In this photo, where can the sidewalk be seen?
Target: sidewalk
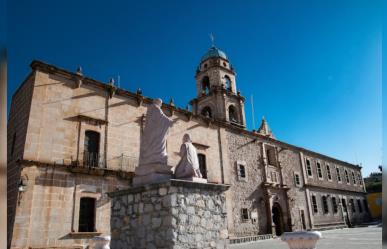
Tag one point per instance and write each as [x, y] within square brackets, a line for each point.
[348, 238]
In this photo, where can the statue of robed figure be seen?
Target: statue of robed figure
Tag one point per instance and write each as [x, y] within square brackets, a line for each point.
[153, 154]
[188, 167]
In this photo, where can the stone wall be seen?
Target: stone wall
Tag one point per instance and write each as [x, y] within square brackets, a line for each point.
[246, 193]
[322, 219]
[291, 165]
[324, 181]
[16, 137]
[56, 133]
[173, 214]
[47, 214]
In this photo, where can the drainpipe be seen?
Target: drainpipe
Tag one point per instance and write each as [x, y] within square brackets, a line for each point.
[221, 155]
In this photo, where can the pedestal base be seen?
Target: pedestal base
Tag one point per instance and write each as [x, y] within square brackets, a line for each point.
[194, 179]
[172, 215]
[151, 173]
[151, 178]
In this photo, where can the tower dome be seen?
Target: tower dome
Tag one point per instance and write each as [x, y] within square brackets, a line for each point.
[214, 52]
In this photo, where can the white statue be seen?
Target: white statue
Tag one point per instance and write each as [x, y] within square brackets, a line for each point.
[188, 167]
[153, 154]
[153, 141]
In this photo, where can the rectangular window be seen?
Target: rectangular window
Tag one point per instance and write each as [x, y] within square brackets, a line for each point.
[319, 171]
[274, 176]
[314, 204]
[365, 205]
[346, 176]
[308, 168]
[334, 205]
[87, 215]
[352, 204]
[353, 178]
[359, 206]
[91, 149]
[344, 203]
[329, 175]
[297, 180]
[338, 174]
[325, 204]
[202, 165]
[241, 171]
[271, 155]
[359, 179]
[245, 214]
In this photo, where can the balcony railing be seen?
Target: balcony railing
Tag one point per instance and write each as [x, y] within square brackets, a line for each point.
[119, 163]
[93, 160]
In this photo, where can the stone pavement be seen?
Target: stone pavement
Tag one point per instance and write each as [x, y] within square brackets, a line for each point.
[348, 238]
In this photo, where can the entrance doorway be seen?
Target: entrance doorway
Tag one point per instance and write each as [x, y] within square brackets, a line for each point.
[277, 219]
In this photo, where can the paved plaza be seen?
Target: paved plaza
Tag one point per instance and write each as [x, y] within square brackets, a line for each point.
[348, 238]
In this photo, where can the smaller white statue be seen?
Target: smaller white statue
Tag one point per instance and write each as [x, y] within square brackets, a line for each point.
[188, 167]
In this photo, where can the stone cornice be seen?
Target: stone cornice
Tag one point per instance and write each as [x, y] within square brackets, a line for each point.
[39, 65]
[199, 73]
[332, 188]
[169, 183]
[78, 169]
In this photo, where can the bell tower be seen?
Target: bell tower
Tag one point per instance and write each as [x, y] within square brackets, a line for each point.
[217, 95]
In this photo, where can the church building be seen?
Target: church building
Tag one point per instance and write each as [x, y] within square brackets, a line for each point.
[73, 139]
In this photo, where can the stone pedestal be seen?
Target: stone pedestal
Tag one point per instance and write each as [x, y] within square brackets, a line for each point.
[152, 173]
[171, 214]
[302, 239]
[100, 242]
[194, 179]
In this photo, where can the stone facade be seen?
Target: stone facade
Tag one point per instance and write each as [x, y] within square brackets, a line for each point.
[174, 214]
[54, 109]
[48, 211]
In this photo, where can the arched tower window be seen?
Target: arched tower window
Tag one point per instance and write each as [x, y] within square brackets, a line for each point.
[91, 148]
[227, 82]
[206, 84]
[232, 114]
[206, 112]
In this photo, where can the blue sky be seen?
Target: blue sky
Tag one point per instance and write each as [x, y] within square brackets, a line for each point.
[313, 67]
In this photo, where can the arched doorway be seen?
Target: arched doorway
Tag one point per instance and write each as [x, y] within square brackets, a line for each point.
[277, 219]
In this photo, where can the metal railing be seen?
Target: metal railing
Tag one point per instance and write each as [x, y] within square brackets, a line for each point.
[93, 160]
[119, 163]
[123, 163]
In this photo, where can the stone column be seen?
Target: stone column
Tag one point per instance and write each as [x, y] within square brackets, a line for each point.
[171, 214]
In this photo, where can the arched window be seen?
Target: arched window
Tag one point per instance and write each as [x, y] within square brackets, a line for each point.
[202, 165]
[206, 85]
[232, 114]
[227, 82]
[87, 215]
[206, 112]
[91, 149]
